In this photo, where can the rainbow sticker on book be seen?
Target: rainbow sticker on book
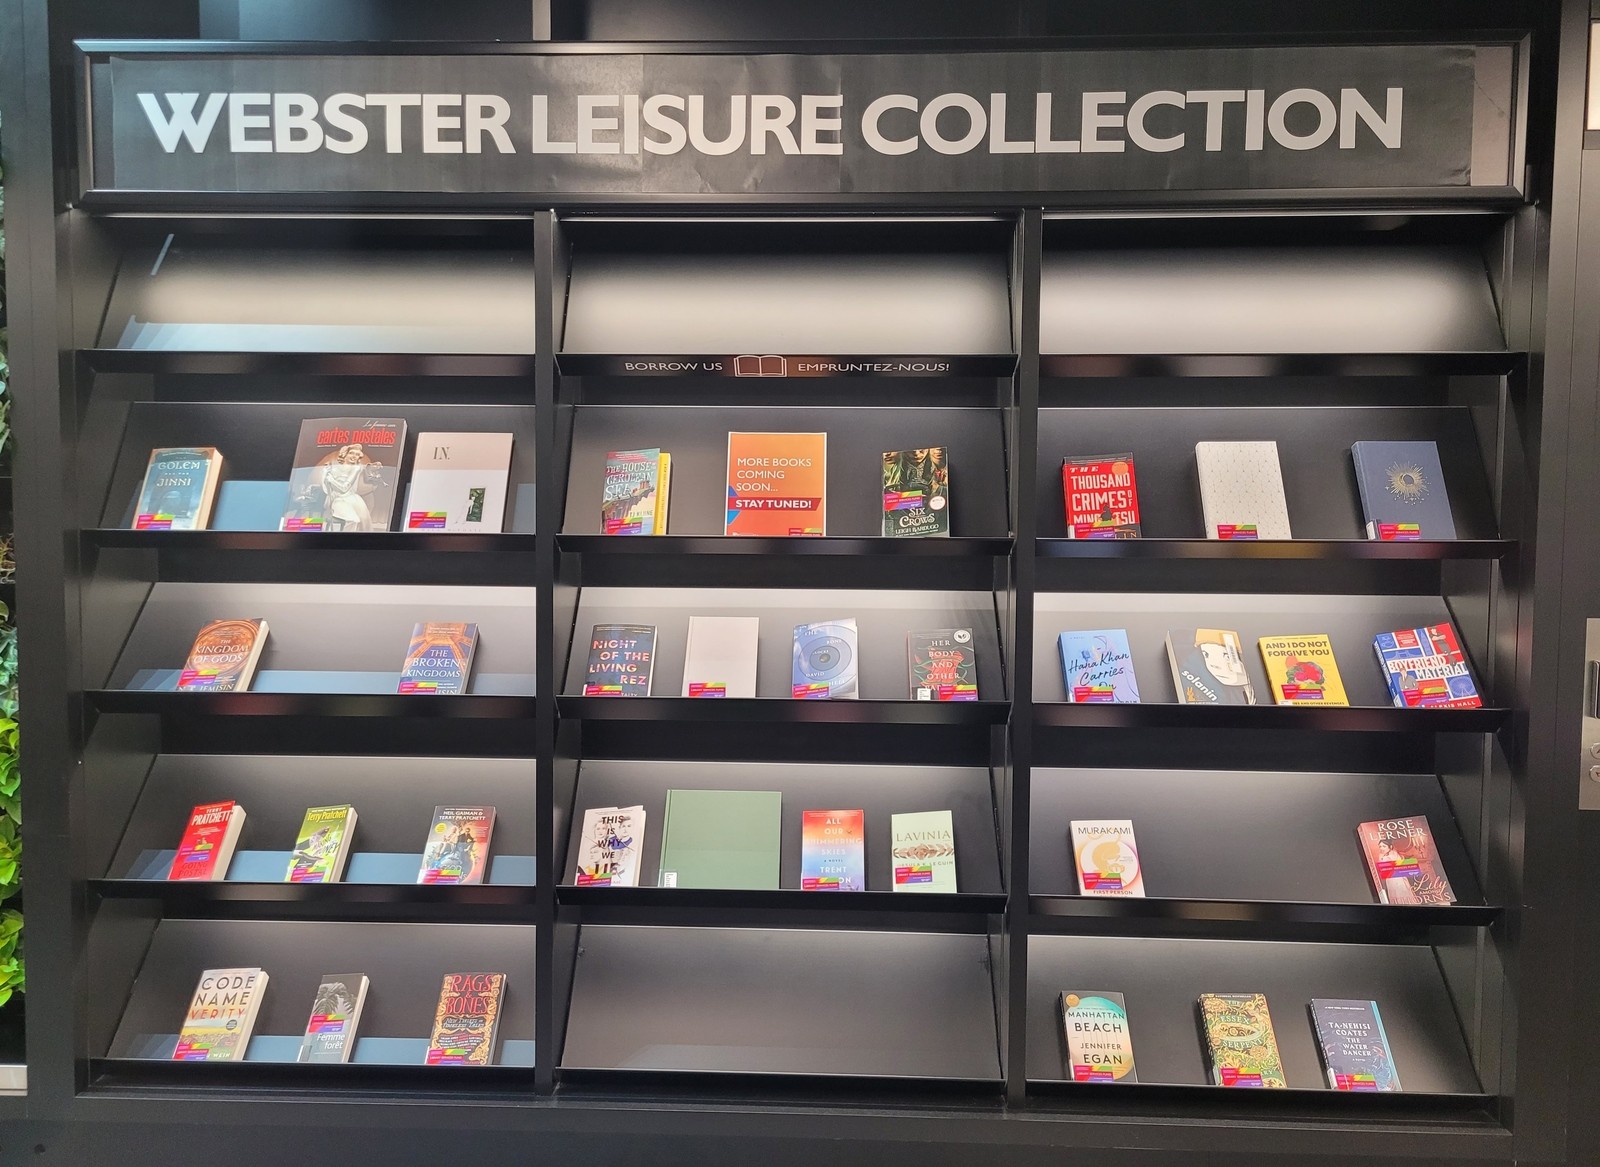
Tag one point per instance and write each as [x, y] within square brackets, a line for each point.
[426, 521]
[153, 523]
[1399, 532]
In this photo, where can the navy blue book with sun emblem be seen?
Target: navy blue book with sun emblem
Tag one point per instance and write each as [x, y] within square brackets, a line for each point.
[1402, 491]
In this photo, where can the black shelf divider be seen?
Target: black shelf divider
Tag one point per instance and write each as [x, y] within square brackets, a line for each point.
[785, 711]
[351, 1080]
[249, 704]
[668, 366]
[308, 364]
[1075, 913]
[868, 908]
[499, 543]
[1340, 719]
[1268, 549]
[825, 546]
[401, 903]
[1412, 364]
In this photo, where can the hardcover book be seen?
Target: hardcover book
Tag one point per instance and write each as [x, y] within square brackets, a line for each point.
[1403, 862]
[466, 1019]
[1241, 490]
[825, 661]
[1355, 1049]
[611, 841]
[1301, 670]
[459, 482]
[1402, 491]
[222, 1014]
[1425, 668]
[833, 850]
[1240, 1041]
[916, 492]
[323, 845]
[1208, 667]
[439, 659]
[1107, 858]
[1097, 667]
[622, 658]
[720, 657]
[346, 474]
[335, 1016]
[457, 849]
[943, 665]
[923, 846]
[634, 499]
[1102, 497]
[1099, 1044]
[180, 484]
[223, 657]
[777, 484]
[722, 839]
[206, 848]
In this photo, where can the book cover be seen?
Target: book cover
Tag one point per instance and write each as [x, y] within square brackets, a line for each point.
[335, 1016]
[1099, 1044]
[825, 661]
[323, 845]
[346, 474]
[833, 850]
[622, 658]
[466, 1019]
[942, 665]
[221, 1016]
[439, 659]
[1097, 667]
[720, 657]
[1208, 667]
[459, 482]
[1102, 496]
[777, 484]
[1301, 670]
[180, 484]
[1403, 862]
[1355, 1049]
[722, 839]
[923, 846]
[223, 657]
[916, 492]
[1402, 490]
[610, 843]
[1107, 858]
[457, 848]
[206, 848]
[1241, 490]
[1425, 668]
[633, 499]
[1240, 1041]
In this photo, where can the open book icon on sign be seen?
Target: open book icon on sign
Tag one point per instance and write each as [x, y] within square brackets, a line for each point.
[760, 366]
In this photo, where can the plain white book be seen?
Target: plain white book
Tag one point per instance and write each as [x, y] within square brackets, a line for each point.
[447, 473]
[609, 846]
[1241, 483]
[722, 651]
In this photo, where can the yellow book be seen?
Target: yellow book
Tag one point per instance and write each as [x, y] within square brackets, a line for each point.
[1301, 670]
[664, 475]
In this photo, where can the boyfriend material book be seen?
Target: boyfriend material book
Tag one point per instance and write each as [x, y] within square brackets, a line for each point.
[180, 484]
[223, 657]
[609, 846]
[633, 499]
[777, 484]
[346, 474]
[833, 850]
[323, 845]
[923, 851]
[1208, 667]
[457, 847]
[206, 848]
[1402, 491]
[1241, 490]
[459, 482]
[722, 839]
[1107, 858]
[1097, 667]
[1426, 669]
[1301, 670]
[916, 492]
[825, 661]
[335, 1016]
[1240, 1041]
[221, 1016]
[1102, 496]
[466, 1020]
[720, 657]
[622, 658]
[1099, 1044]
[439, 659]
[1403, 862]
[942, 665]
[1355, 1049]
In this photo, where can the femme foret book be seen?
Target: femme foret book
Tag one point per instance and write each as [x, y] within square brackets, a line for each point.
[330, 1034]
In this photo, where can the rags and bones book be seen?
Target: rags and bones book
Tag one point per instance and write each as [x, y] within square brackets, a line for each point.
[466, 1020]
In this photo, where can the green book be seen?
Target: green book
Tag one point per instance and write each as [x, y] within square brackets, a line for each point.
[722, 839]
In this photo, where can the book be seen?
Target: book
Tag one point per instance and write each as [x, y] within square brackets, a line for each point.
[323, 845]
[916, 492]
[466, 1020]
[1099, 1044]
[1355, 1049]
[1101, 495]
[222, 1014]
[459, 482]
[622, 658]
[1402, 491]
[346, 474]
[942, 665]
[720, 657]
[1241, 490]
[1097, 667]
[438, 659]
[1208, 667]
[180, 484]
[1240, 1041]
[923, 851]
[609, 845]
[777, 484]
[825, 661]
[206, 848]
[224, 656]
[1403, 862]
[833, 850]
[1107, 858]
[457, 849]
[633, 500]
[1301, 670]
[722, 839]
[335, 1016]
[1425, 668]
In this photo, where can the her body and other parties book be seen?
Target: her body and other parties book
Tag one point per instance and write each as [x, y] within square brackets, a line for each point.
[1301, 670]
[439, 659]
[1355, 1049]
[1403, 862]
[206, 848]
[457, 847]
[323, 845]
[833, 850]
[719, 659]
[335, 1016]
[1097, 667]
[1241, 490]
[610, 843]
[622, 659]
[722, 839]
[222, 1014]
[346, 474]
[825, 661]
[459, 482]
[942, 665]
[1099, 1043]
[634, 497]
[1107, 858]
[180, 484]
[923, 851]
[1402, 491]
[1102, 496]
[1426, 669]
[1208, 667]
[1240, 1041]
[916, 492]
[466, 1020]
[777, 484]
[223, 657]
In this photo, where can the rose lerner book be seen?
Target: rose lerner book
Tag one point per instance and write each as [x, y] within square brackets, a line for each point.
[622, 658]
[224, 656]
[1402, 490]
[833, 850]
[610, 844]
[179, 487]
[1240, 1041]
[720, 657]
[457, 849]
[924, 851]
[1425, 668]
[1102, 497]
[1208, 667]
[722, 839]
[458, 482]
[465, 1021]
[323, 845]
[335, 1015]
[1355, 1049]
[943, 665]
[1097, 667]
[346, 474]
[825, 661]
[916, 492]
[1301, 670]
[634, 499]
[206, 848]
[439, 659]
[1107, 858]
[777, 484]
[1099, 1044]
[1241, 490]
[221, 1015]
[1403, 862]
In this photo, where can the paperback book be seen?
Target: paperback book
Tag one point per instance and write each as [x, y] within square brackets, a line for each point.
[335, 1016]
[1240, 1041]
[633, 500]
[1097, 667]
[346, 474]
[1099, 1044]
[1402, 491]
[777, 484]
[1107, 858]
[222, 1014]
[466, 1020]
[180, 484]
[1208, 667]
[1102, 497]
[206, 848]
[439, 659]
[223, 657]
[722, 839]
[943, 665]
[1426, 669]
[1241, 490]
[923, 846]
[1403, 862]
[1301, 670]
[610, 842]
[825, 661]
[1354, 1047]
[323, 845]
[833, 850]
[720, 657]
[916, 492]
[457, 848]
[622, 659]
[459, 482]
